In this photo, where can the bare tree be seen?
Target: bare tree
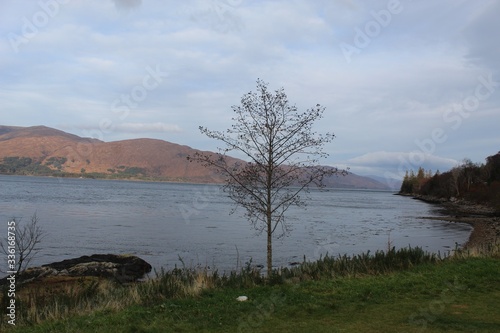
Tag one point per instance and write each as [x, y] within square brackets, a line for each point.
[282, 153]
[471, 172]
[25, 239]
[456, 174]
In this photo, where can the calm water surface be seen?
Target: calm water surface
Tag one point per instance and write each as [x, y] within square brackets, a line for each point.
[162, 222]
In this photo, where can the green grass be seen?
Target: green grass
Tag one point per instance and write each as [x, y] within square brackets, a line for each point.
[452, 295]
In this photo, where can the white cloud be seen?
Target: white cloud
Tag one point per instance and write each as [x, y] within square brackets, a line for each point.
[397, 163]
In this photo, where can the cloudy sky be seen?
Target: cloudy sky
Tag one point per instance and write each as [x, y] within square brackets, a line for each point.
[405, 83]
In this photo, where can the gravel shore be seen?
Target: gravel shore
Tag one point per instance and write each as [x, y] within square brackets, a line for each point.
[484, 220]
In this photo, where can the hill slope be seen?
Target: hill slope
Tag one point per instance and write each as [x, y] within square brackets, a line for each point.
[49, 151]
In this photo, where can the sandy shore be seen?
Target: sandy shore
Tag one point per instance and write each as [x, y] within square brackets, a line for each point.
[484, 220]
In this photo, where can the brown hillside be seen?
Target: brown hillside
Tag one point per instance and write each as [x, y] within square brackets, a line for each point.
[11, 132]
[158, 158]
[148, 157]
[7, 129]
[36, 142]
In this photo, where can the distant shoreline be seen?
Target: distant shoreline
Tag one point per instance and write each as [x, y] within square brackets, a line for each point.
[146, 179]
[171, 181]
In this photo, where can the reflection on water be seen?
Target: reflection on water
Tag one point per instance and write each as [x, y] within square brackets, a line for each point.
[161, 222]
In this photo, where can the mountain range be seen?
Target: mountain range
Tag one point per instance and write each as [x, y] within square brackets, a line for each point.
[48, 151]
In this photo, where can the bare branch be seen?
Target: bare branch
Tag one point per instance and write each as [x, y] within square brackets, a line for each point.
[27, 238]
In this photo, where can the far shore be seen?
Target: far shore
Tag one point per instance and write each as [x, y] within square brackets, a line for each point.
[127, 179]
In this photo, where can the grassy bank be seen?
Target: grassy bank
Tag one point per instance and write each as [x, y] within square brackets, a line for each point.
[397, 291]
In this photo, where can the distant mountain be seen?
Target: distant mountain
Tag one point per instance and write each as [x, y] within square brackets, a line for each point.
[392, 183]
[354, 181]
[42, 150]
[66, 153]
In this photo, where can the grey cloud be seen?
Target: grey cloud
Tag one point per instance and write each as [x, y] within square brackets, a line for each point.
[481, 35]
[127, 4]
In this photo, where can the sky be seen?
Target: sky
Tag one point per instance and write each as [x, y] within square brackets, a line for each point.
[404, 84]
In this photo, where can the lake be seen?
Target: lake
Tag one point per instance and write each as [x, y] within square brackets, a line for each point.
[163, 222]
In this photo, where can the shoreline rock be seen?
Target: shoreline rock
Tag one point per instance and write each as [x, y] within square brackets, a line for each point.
[122, 268]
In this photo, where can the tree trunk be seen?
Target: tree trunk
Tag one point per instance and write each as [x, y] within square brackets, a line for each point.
[269, 214]
[269, 245]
